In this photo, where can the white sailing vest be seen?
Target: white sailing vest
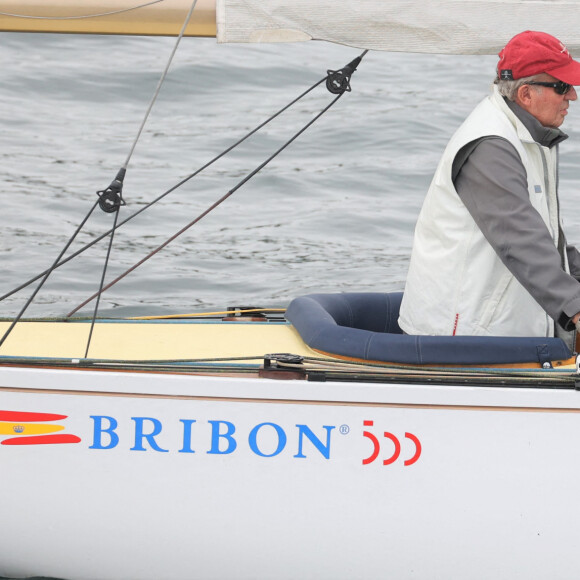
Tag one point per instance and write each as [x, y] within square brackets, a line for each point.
[456, 283]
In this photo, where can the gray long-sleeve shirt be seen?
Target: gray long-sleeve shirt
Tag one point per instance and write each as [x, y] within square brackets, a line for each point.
[491, 181]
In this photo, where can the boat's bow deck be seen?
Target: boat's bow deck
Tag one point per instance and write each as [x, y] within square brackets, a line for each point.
[153, 340]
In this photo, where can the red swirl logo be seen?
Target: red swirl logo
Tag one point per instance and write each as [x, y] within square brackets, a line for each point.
[416, 449]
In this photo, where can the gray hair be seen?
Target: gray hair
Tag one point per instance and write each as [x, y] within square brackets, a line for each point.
[509, 89]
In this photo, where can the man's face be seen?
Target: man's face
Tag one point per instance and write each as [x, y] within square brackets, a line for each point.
[545, 104]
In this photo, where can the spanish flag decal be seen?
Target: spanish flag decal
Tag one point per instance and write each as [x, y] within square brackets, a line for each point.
[27, 428]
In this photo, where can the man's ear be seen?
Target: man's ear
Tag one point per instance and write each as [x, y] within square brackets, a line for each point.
[524, 96]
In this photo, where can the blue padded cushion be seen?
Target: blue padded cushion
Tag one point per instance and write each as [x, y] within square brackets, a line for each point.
[364, 326]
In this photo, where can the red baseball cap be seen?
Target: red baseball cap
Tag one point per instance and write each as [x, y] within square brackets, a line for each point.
[530, 53]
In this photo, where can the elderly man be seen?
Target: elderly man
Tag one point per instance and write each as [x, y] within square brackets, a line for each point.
[489, 255]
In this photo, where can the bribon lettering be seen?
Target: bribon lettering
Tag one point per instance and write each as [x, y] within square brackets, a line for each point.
[266, 439]
[98, 431]
[140, 435]
[228, 436]
[324, 449]
[187, 423]
[253, 439]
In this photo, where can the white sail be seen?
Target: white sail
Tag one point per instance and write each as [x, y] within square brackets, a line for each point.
[434, 26]
[140, 17]
[428, 26]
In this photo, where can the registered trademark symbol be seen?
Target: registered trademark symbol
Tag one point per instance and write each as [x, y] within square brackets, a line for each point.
[344, 429]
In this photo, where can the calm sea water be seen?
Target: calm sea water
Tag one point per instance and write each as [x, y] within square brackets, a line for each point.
[334, 212]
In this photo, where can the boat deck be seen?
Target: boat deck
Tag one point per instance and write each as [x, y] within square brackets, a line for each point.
[146, 340]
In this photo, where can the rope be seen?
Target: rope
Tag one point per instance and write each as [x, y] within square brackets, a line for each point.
[331, 370]
[166, 193]
[46, 275]
[160, 83]
[337, 87]
[212, 207]
[334, 367]
[121, 172]
[206, 314]
[101, 285]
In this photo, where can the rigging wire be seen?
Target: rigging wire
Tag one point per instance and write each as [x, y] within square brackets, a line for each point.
[170, 190]
[101, 283]
[211, 207]
[337, 83]
[46, 275]
[160, 83]
[114, 192]
[109, 200]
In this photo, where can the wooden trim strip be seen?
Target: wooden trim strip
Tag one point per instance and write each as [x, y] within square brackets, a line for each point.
[411, 406]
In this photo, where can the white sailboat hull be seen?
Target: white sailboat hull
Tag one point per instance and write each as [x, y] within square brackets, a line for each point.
[180, 476]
